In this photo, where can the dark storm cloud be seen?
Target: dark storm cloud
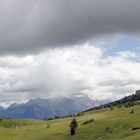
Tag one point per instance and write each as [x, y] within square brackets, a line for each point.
[31, 25]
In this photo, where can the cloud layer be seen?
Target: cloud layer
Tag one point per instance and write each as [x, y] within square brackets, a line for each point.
[29, 26]
[68, 71]
[44, 34]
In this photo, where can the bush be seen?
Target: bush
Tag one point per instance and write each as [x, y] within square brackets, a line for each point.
[129, 104]
[87, 122]
[48, 125]
[79, 114]
[112, 108]
[119, 106]
[108, 129]
[135, 128]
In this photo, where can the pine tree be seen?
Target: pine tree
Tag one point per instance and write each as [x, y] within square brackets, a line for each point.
[73, 126]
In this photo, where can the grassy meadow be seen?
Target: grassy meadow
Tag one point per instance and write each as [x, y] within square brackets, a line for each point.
[108, 124]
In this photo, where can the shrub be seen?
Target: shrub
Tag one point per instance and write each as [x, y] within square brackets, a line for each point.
[87, 122]
[129, 104]
[108, 129]
[48, 125]
[119, 105]
[112, 108]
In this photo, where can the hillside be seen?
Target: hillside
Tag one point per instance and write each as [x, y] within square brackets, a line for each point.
[126, 100]
[116, 124]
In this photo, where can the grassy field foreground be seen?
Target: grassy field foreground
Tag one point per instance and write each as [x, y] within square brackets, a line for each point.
[108, 124]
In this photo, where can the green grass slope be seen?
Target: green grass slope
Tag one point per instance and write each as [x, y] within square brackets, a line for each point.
[108, 124]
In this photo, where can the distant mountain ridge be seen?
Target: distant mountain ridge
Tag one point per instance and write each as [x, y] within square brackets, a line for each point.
[1, 108]
[130, 98]
[49, 108]
[61, 106]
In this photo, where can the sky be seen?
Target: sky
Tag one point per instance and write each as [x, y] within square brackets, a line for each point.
[50, 48]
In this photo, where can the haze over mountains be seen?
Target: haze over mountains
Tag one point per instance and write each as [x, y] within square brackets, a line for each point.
[60, 106]
[49, 108]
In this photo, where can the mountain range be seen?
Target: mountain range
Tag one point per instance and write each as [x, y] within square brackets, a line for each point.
[49, 108]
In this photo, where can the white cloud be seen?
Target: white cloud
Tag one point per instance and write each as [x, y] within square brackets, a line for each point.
[65, 71]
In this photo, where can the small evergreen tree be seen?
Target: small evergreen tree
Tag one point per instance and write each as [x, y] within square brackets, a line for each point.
[48, 125]
[73, 126]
